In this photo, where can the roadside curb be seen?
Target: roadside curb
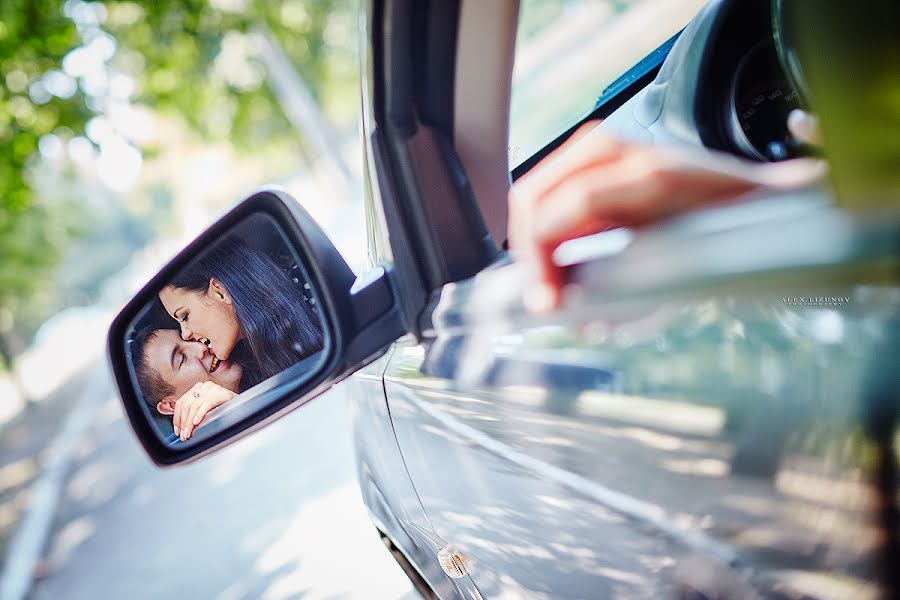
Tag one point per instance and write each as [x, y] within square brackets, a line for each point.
[27, 543]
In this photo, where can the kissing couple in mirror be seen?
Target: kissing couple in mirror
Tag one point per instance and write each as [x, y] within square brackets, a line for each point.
[235, 316]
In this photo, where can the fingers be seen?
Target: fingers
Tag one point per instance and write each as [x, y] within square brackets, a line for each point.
[596, 200]
[580, 152]
[178, 416]
[626, 188]
[191, 412]
[632, 187]
[176, 420]
[202, 398]
[804, 127]
[794, 173]
[198, 412]
[198, 407]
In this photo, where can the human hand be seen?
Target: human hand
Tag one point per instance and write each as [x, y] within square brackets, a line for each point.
[594, 183]
[195, 403]
[804, 126]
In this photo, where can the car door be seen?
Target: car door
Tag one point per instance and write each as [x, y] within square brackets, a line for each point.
[700, 416]
[702, 431]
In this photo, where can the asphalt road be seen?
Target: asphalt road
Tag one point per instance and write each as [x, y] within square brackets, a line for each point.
[276, 515]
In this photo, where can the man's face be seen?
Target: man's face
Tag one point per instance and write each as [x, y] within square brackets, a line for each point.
[183, 363]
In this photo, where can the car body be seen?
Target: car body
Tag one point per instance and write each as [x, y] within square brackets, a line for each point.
[692, 423]
[712, 413]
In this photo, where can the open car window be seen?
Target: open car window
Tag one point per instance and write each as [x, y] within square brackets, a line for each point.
[569, 51]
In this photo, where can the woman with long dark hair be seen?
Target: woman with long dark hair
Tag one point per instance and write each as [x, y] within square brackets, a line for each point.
[236, 300]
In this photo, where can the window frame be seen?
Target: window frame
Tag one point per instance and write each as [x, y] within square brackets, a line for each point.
[610, 100]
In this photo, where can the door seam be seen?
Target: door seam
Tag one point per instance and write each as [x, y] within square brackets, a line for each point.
[397, 439]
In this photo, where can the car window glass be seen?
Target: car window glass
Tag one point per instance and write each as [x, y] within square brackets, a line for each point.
[568, 51]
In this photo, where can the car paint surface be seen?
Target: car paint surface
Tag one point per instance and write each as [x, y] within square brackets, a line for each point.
[721, 439]
[387, 491]
[727, 433]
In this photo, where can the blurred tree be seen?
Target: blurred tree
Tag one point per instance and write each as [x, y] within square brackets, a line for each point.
[196, 60]
[200, 60]
[34, 37]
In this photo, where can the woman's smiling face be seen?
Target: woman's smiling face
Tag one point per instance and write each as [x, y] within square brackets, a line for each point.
[204, 316]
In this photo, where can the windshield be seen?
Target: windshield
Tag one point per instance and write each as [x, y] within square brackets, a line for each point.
[568, 51]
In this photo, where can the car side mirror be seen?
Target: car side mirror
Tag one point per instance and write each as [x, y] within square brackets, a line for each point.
[252, 319]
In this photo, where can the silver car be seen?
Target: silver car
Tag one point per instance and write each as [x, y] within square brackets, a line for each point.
[713, 411]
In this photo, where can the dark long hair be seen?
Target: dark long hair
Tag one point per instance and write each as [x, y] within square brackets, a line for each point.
[278, 322]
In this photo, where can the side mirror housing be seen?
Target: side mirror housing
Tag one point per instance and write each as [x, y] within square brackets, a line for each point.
[272, 272]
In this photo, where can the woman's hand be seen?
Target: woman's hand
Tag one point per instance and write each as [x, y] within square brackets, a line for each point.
[195, 403]
[594, 183]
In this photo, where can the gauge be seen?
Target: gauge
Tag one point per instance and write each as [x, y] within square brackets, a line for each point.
[761, 99]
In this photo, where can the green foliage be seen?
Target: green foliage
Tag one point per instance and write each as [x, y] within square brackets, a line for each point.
[34, 37]
[191, 59]
[198, 61]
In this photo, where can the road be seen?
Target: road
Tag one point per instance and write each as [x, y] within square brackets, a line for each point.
[276, 515]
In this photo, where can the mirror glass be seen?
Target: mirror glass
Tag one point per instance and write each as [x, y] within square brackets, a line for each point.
[237, 318]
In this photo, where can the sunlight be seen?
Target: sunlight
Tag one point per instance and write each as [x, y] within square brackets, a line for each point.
[705, 467]
[551, 441]
[119, 164]
[10, 402]
[17, 473]
[136, 123]
[59, 84]
[652, 439]
[89, 61]
[69, 538]
[9, 510]
[828, 491]
[826, 585]
[325, 566]
[77, 334]
[96, 483]
[620, 575]
[51, 147]
[680, 417]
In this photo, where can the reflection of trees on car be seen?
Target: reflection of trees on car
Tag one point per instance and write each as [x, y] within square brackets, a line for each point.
[754, 359]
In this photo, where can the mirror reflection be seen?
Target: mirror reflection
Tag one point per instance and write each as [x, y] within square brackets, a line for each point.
[237, 314]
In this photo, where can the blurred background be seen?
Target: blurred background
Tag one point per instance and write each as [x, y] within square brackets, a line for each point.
[126, 127]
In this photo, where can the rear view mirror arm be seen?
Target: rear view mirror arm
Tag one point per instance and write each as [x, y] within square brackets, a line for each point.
[378, 318]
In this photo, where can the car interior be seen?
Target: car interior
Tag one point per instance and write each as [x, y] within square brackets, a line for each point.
[716, 84]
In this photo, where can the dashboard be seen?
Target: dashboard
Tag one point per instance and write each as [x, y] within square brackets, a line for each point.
[744, 94]
[760, 99]
[722, 86]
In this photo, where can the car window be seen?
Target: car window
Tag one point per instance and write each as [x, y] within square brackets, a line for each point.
[568, 51]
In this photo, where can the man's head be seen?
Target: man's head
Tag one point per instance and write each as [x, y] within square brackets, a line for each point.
[168, 366]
